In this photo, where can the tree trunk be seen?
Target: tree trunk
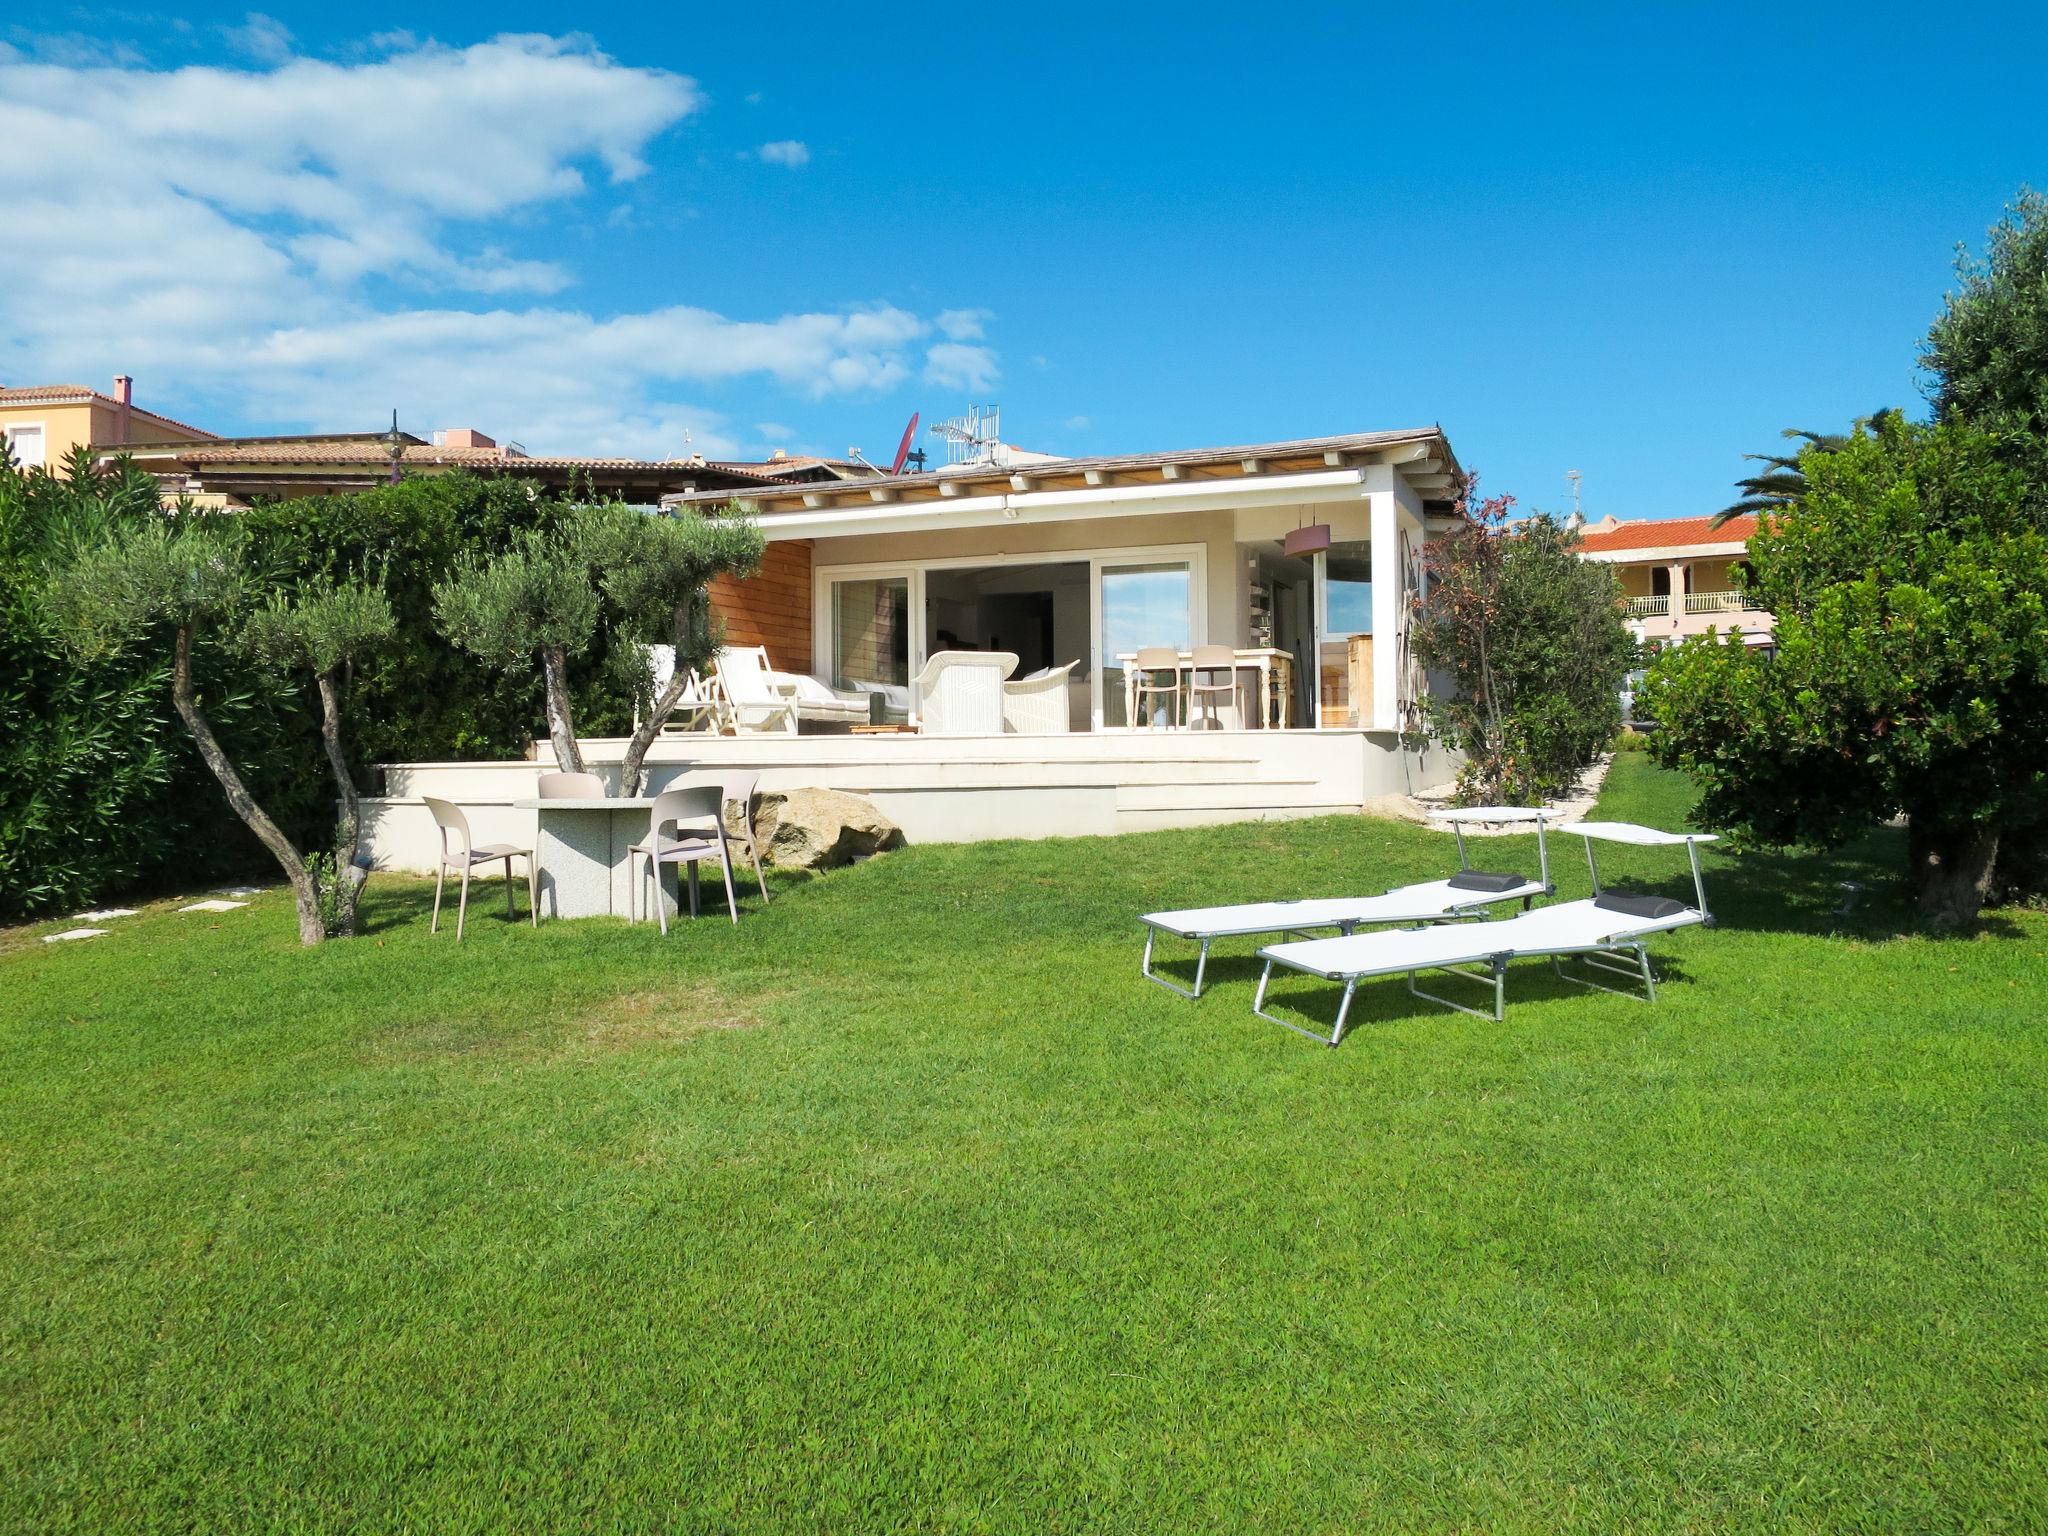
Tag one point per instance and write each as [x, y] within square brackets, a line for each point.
[1951, 872]
[660, 709]
[348, 827]
[311, 928]
[554, 666]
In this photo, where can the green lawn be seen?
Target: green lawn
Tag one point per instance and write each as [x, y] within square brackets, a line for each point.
[907, 1205]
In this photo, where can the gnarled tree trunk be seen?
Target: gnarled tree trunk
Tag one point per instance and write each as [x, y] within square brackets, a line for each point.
[1951, 872]
[312, 929]
[663, 705]
[348, 827]
[554, 666]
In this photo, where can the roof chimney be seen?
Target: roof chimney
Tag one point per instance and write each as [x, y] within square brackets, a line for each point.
[124, 406]
[464, 437]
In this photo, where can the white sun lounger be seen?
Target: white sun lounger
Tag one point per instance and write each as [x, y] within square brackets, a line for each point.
[1592, 930]
[1462, 896]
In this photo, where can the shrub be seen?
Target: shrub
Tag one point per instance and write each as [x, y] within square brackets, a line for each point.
[1533, 642]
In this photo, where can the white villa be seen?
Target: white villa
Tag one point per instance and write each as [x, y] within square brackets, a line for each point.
[1046, 577]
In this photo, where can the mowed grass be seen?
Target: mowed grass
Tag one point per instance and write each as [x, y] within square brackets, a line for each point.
[907, 1205]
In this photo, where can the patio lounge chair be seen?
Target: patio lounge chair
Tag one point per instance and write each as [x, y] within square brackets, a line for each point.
[1463, 895]
[1593, 930]
[758, 698]
[1037, 705]
[698, 708]
[960, 693]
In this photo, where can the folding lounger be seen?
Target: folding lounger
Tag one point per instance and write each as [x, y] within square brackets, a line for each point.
[1593, 930]
[1461, 896]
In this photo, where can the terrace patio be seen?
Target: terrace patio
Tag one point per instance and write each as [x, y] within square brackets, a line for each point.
[1308, 551]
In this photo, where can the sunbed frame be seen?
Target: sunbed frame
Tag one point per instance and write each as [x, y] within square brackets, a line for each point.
[1594, 932]
[1431, 901]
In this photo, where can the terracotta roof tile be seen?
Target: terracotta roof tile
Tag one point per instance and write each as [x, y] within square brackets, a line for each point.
[1670, 533]
[79, 394]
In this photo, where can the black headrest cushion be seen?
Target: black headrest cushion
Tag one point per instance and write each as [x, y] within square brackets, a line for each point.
[1640, 906]
[1483, 880]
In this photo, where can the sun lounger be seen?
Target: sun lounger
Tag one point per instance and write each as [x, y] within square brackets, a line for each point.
[1462, 896]
[1592, 931]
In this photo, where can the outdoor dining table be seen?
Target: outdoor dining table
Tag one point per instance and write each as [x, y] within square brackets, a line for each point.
[585, 869]
[1270, 664]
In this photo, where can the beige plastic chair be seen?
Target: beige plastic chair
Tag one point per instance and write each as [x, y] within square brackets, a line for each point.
[572, 786]
[1210, 660]
[701, 803]
[738, 790]
[449, 818]
[1037, 705]
[1148, 663]
[960, 693]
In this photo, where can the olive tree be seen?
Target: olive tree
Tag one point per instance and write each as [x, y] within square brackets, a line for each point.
[1910, 591]
[324, 628]
[179, 579]
[655, 572]
[533, 601]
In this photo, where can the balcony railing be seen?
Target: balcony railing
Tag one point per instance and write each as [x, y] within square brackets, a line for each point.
[1695, 602]
[1715, 602]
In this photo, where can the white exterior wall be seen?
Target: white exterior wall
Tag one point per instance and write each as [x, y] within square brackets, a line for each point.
[956, 789]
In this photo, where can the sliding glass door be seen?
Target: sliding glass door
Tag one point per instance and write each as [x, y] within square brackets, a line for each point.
[1344, 654]
[871, 640]
[1150, 604]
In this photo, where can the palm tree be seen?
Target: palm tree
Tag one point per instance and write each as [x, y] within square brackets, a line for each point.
[1782, 483]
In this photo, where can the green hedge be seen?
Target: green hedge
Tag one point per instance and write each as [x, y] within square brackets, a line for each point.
[100, 790]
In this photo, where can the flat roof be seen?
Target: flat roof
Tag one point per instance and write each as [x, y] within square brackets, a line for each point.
[1423, 453]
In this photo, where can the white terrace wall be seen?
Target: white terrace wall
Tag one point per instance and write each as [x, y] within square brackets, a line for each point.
[957, 789]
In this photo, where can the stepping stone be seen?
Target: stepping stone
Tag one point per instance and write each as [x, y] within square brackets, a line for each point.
[213, 906]
[238, 890]
[73, 933]
[104, 913]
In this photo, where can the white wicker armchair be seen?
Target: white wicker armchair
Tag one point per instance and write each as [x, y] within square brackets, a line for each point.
[1037, 705]
[960, 693]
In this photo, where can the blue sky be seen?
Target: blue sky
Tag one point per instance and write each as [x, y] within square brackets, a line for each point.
[1633, 241]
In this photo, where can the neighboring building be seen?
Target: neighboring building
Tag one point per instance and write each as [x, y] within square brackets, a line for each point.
[43, 423]
[1679, 576]
[233, 471]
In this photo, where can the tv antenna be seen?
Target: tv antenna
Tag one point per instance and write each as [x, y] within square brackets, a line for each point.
[976, 438]
[1572, 478]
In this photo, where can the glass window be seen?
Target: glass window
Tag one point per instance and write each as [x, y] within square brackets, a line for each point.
[1348, 585]
[871, 639]
[27, 443]
[1142, 605]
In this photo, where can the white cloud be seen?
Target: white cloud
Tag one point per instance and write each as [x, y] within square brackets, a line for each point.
[262, 38]
[962, 324]
[773, 429]
[1076, 423]
[789, 152]
[218, 228]
[957, 365]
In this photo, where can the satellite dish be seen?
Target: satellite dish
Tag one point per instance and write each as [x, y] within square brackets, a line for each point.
[903, 448]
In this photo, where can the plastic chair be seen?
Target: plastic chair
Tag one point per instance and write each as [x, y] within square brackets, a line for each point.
[449, 818]
[699, 803]
[738, 789]
[1210, 660]
[572, 786]
[1147, 664]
